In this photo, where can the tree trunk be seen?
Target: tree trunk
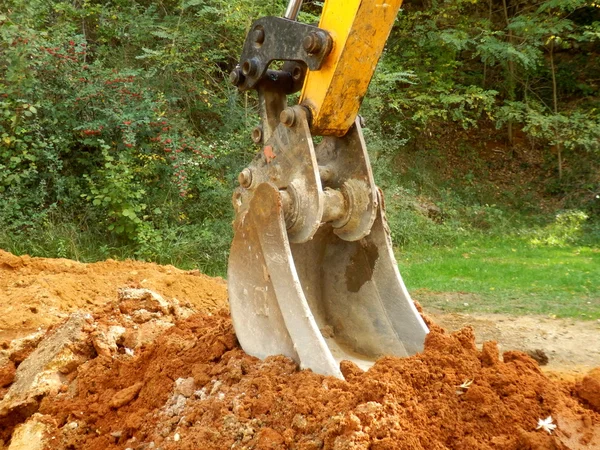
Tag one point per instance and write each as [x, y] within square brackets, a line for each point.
[511, 73]
[555, 102]
[485, 63]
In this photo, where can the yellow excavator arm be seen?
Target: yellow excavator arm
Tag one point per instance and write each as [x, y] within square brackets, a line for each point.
[312, 273]
[359, 30]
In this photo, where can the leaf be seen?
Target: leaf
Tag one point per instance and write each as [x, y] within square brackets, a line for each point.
[162, 34]
[191, 3]
[149, 53]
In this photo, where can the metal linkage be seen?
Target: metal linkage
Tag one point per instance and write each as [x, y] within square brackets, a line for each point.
[312, 273]
[278, 39]
[332, 183]
[288, 162]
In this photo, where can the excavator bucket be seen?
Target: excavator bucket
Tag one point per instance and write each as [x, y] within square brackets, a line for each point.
[312, 273]
[331, 296]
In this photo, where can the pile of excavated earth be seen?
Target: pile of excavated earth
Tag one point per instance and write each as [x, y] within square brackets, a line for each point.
[130, 355]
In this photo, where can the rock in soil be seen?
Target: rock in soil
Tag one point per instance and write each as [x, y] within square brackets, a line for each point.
[45, 369]
[31, 435]
[125, 396]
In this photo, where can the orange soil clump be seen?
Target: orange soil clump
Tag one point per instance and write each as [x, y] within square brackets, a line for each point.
[589, 388]
[194, 388]
[39, 292]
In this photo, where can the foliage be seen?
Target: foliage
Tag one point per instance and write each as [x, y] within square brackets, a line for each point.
[120, 134]
[529, 65]
[565, 230]
[572, 130]
[119, 116]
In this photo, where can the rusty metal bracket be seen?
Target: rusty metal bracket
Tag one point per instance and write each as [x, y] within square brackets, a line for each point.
[288, 162]
[279, 39]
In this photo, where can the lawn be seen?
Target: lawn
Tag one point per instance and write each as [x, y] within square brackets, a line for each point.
[505, 276]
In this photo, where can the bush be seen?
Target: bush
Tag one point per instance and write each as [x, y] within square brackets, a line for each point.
[126, 147]
[566, 229]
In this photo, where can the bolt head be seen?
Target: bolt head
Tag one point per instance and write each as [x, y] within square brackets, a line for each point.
[250, 67]
[235, 77]
[257, 134]
[288, 116]
[312, 43]
[245, 178]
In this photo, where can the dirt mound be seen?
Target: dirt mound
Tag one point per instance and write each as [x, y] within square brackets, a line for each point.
[163, 370]
[195, 388]
[589, 389]
[39, 292]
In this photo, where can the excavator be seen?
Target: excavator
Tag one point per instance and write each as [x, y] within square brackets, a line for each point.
[311, 272]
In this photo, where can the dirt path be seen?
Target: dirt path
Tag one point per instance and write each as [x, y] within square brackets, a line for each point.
[570, 345]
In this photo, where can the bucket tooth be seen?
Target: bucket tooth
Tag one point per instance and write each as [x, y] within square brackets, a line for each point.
[269, 310]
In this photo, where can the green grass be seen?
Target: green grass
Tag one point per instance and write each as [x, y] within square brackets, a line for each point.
[505, 276]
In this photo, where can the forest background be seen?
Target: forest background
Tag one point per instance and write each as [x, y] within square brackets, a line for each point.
[121, 137]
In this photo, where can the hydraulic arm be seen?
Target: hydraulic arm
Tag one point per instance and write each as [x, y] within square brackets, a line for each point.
[312, 273]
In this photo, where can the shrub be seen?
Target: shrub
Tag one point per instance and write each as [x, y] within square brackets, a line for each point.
[566, 229]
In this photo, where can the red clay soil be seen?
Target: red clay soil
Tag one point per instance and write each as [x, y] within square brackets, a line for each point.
[589, 388]
[194, 388]
[39, 292]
